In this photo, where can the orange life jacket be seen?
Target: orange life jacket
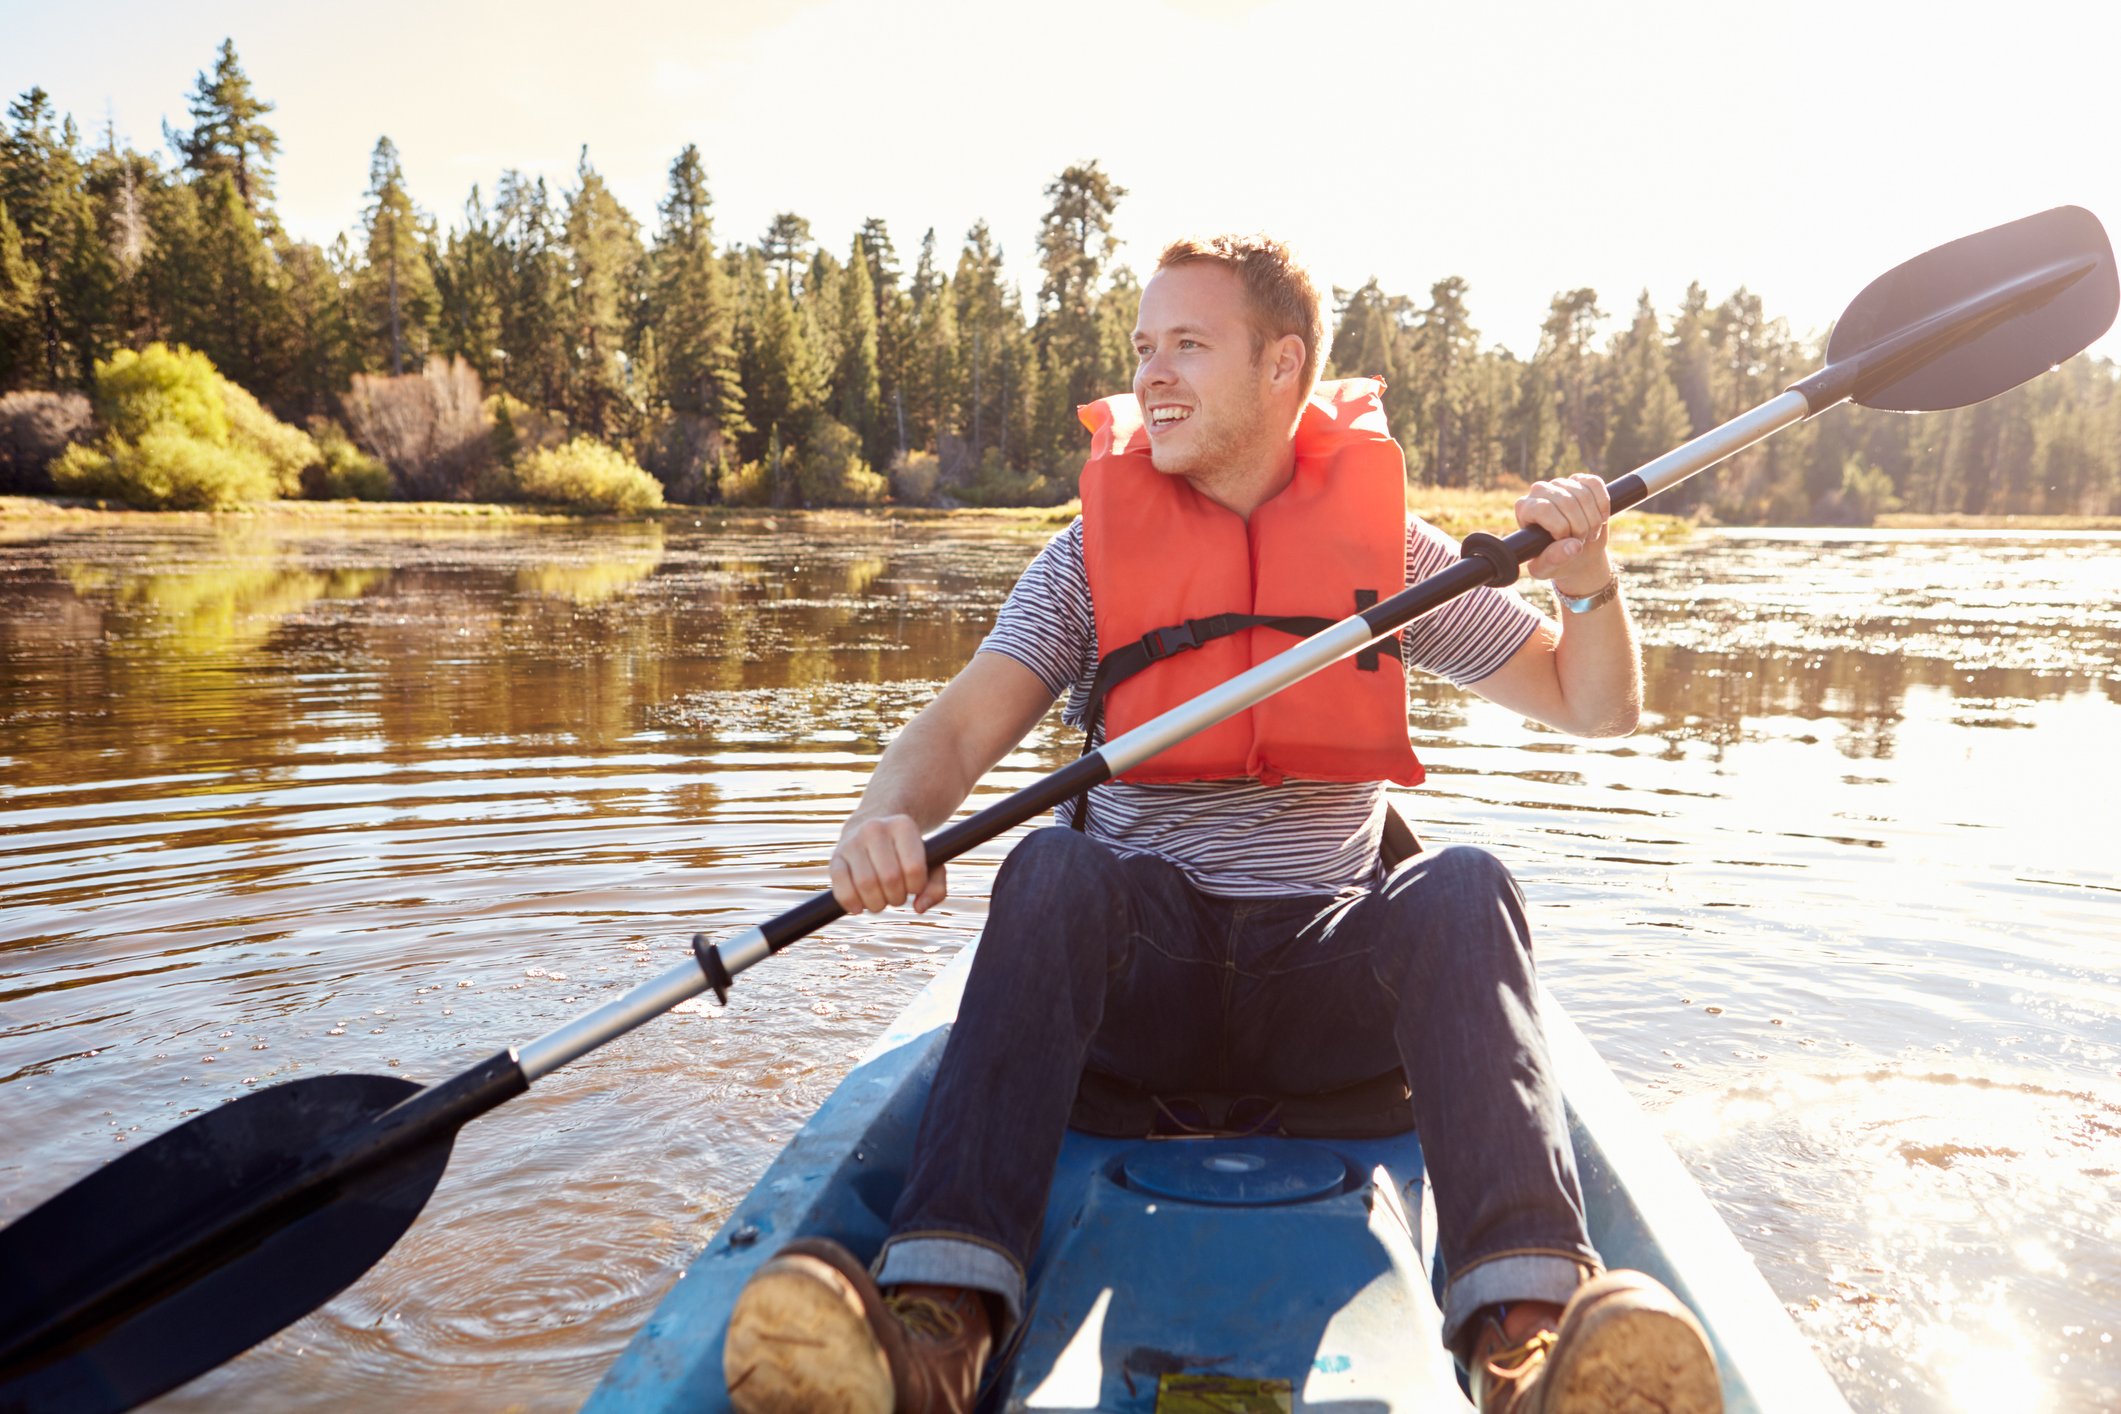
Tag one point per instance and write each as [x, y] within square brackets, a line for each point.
[1333, 541]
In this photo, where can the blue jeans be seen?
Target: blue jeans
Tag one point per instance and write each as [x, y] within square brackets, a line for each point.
[1118, 962]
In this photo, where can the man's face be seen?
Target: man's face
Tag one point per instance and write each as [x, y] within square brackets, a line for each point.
[1203, 393]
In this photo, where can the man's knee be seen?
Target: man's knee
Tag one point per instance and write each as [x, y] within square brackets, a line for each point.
[1056, 872]
[1057, 895]
[1458, 898]
[1461, 872]
[1053, 858]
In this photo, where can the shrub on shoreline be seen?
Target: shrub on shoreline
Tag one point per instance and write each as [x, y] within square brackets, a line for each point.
[179, 436]
[585, 475]
[431, 428]
[346, 473]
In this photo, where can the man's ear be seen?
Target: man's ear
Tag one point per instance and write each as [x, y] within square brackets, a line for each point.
[1285, 361]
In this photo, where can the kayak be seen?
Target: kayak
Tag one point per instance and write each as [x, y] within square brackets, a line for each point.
[1234, 1274]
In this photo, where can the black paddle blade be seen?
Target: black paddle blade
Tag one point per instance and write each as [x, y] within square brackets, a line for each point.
[1974, 317]
[201, 1243]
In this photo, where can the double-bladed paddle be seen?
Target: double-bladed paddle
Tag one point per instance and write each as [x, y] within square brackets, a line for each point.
[209, 1238]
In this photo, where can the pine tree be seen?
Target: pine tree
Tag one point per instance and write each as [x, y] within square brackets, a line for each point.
[1076, 252]
[1690, 358]
[931, 375]
[787, 244]
[693, 311]
[818, 300]
[18, 307]
[1754, 358]
[397, 291]
[469, 291]
[533, 320]
[982, 331]
[228, 134]
[1647, 417]
[877, 252]
[237, 312]
[1565, 374]
[788, 387]
[894, 336]
[169, 273]
[1493, 393]
[1444, 346]
[605, 266]
[1362, 344]
[318, 347]
[40, 184]
[857, 394]
[122, 187]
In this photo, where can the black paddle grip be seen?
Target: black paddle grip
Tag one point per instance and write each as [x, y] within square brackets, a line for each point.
[1501, 555]
[1624, 492]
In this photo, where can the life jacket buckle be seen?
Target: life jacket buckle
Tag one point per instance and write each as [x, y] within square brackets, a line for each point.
[1161, 643]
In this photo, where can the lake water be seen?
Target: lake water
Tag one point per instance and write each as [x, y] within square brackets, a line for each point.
[1844, 915]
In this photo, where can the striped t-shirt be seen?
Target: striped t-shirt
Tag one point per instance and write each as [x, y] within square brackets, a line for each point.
[1241, 838]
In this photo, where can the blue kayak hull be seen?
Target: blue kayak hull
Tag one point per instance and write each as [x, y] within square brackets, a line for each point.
[1238, 1274]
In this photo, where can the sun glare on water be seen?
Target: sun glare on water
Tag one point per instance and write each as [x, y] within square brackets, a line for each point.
[1914, 1291]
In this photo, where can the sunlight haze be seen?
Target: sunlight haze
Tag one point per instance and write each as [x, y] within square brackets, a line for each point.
[1528, 148]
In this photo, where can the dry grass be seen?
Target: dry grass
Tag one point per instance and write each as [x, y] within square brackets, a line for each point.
[1459, 511]
[1908, 520]
[75, 511]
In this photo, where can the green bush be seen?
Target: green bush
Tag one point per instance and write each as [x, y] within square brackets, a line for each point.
[999, 484]
[345, 472]
[166, 469]
[745, 484]
[914, 478]
[1866, 492]
[179, 436]
[161, 387]
[289, 451]
[832, 471]
[586, 475]
[519, 428]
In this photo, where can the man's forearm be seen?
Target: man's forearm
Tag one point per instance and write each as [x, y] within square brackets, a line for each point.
[921, 774]
[1597, 662]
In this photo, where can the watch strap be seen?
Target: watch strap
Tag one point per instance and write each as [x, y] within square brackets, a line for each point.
[1592, 600]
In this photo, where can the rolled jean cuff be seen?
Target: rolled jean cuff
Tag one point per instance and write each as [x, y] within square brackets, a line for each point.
[938, 1260]
[1519, 1276]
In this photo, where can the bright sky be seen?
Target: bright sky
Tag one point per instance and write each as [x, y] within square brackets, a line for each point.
[1529, 147]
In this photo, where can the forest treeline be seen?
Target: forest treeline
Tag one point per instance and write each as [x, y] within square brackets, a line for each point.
[433, 359]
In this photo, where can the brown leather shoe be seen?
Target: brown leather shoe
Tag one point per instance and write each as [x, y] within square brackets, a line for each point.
[811, 1332]
[1625, 1345]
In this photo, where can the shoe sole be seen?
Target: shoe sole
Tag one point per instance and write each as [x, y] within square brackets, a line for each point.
[1629, 1358]
[798, 1342]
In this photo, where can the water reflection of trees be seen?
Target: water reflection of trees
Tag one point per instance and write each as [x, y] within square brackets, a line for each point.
[227, 658]
[619, 561]
[1697, 695]
[265, 651]
[196, 613]
[1722, 696]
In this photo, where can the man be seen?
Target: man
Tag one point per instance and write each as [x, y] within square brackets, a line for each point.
[1225, 923]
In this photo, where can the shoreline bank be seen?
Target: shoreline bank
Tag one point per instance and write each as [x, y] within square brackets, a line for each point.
[1455, 511]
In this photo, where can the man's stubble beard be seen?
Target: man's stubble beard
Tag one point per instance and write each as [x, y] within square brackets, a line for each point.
[1217, 457]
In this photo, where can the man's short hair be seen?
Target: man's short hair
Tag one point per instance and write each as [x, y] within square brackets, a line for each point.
[1283, 297]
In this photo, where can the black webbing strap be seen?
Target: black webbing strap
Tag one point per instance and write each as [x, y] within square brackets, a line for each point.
[1158, 644]
[1399, 842]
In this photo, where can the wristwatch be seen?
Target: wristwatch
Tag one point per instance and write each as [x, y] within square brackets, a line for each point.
[1590, 601]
